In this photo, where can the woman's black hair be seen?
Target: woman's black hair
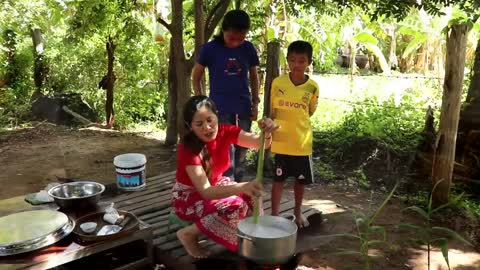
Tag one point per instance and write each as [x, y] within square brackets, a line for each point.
[190, 140]
[237, 20]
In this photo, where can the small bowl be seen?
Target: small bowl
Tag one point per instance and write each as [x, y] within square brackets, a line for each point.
[76, 195]
[88, 227]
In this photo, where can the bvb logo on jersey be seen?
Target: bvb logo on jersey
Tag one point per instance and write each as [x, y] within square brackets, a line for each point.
[306, 97]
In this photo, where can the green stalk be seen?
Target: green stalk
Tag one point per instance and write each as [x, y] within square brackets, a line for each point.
[261, 155]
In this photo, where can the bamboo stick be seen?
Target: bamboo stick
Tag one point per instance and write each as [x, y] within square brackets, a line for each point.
[261, 153]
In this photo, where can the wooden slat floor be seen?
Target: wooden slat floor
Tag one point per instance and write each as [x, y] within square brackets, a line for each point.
[152, 205]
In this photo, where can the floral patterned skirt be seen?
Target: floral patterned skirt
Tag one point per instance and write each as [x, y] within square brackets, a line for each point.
[218, 218]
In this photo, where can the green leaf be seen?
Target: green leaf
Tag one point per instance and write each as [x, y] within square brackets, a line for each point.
[384, 203]
[366, 38]
[405, 30]
[451, 201]
[378, 53]
[452, 233]
[343, 235]
[419, 211]
[381, 229]
[408, 226]
[375, 242]
[444, 247]
[414, 45]
[271, 33]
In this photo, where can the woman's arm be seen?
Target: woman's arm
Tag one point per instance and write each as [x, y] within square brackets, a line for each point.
[251, 140]
[207, 191]
[197, 74]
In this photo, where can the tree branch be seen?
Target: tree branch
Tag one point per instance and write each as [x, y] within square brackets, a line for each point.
[164, 23]
[214, 17]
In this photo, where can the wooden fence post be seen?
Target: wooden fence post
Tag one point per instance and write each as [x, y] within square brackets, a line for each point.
[272, 71]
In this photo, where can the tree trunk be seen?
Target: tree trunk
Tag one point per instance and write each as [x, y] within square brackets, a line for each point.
[215, 17]
[10, 44]
[392, 58]
[172, 131]
[444, 155]
[110, 45]
[183, 67]
[238, 4]
[199, 36]
[473, 95]
[180, 68]
[272, 71]
[39, 69]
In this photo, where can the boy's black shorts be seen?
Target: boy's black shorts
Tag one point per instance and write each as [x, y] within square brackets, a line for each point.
[300, 167]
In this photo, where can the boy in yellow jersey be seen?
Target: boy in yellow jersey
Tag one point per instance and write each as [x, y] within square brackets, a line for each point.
[294, 98]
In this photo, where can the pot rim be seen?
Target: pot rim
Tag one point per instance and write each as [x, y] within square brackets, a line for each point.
[293, 233]
[50, 191]
[38, 242]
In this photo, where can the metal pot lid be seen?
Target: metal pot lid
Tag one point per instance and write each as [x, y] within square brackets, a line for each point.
[30, 226]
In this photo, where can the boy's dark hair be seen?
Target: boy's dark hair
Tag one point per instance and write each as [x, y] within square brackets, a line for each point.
[301, 46]
[190, 140]
[236, 20]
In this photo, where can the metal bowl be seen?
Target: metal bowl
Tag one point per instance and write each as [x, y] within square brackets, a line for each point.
[77, 195]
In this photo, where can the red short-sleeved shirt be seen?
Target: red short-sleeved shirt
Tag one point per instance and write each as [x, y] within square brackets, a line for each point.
[218, 149]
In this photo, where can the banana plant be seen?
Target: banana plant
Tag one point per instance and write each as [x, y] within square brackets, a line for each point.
[371, 44]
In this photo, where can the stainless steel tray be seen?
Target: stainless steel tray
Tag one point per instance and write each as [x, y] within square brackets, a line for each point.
[39, 242]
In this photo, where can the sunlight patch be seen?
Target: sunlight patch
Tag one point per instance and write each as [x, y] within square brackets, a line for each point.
[326, 206]
[458, 258]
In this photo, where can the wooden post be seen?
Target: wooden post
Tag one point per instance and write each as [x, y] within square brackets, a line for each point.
[444, 154]
[273, 71]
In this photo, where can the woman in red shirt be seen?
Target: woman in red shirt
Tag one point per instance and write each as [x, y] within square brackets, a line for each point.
[214, 203]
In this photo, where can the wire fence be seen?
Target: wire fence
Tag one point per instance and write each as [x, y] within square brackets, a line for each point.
[399, 76]
[372, 104]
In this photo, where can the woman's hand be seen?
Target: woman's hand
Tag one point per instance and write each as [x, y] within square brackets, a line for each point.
[251, 140]
[252, 189]
[267, 126]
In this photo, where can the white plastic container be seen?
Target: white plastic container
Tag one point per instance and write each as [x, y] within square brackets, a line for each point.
[131, 171]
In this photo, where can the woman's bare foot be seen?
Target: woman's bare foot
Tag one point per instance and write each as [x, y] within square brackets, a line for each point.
[301, 220]
[188, 237]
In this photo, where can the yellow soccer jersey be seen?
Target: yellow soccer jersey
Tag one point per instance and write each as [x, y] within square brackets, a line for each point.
[291, 107]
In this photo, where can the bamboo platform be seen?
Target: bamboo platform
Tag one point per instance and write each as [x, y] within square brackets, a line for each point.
[153, 204]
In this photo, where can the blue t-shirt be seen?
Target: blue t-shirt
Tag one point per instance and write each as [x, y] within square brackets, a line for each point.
[228, 73]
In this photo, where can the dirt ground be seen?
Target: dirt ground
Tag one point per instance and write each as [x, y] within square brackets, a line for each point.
[33, 157]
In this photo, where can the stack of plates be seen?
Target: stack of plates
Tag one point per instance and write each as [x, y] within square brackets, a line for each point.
[26, 231]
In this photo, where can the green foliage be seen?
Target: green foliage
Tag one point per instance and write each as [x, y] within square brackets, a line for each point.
[324, 171]
[394, 123]
[469, 202]
[75, 33]
[367, 233]
[358, 177]
[429, 234]
[15, 99]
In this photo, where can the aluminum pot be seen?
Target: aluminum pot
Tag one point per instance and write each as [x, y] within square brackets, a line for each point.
[271, 241]
[77, 195]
